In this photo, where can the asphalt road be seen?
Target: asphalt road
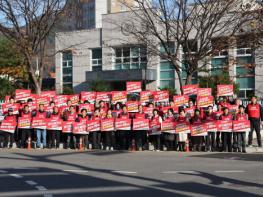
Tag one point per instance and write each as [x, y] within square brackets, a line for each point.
[99, 173]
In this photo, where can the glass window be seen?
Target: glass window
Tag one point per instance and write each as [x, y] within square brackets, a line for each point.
[96, 59]
[167, 74]
[246, 82]
[67, 68]
[167, 84]
[219, 65]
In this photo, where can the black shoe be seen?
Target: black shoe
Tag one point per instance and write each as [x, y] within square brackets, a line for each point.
[244, 151]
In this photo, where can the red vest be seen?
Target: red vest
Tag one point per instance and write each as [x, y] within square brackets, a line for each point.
[226, 118]
[124, 116]
[181, 119]
[140, 115]
[241, 116]
[55, 116]
[96, 118]
[40, 114]
[196, 120]
[25, 115]
[10, 118]
[71, 117]
[81, 119]
[210, 117]
[253, 111]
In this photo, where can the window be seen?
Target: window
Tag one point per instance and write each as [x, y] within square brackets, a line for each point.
[219, 65]
[67, 65]
[130, 58]
[167, 75]
[96, 59]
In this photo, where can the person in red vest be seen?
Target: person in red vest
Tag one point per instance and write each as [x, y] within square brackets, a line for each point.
[69, 115]
[255, 115]
[124, 137]
[26, 133]
[241, 136]
[197, 141]
[83, 117]
[182, 136]
[96, 135]
[226, 137]
[109, 136]
[9, 137]
[140, 136]
[156, 135]
[169, 138]
[41, 133]
[211, 136]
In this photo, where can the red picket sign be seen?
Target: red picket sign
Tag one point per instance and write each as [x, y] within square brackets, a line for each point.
[24, 123]
[7, 97]
[74, 99]
[225, 90]
[8, 126]
[148, 110]
[61, 100]
[39, 123]
[119, 96]
[233, 108]
[241, 126]
[168, 126]
[133, 86]
[103, 96]
[22, 94]
[107, 124]
[211, 126]
[224, 126]
[88, 107]
[93, 125]
[190, 111]
[6, 106]
[67, 126]
[140, 124]
[45, 100]
[198, 130]
[181, 100]
[132, 106]
[205, 101]
[88, 96]
[165, 109]
[182, 127]
[80, 128]
[54, 124]
[50, 94]
[145, 96]
[190, 89]
[122, 124]
[161, 96]
[204, 92]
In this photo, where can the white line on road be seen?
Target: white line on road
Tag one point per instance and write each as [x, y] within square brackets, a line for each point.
[178, 172]
[41, 188]
[3, 171]
[31, 182]
[81, 171]
[48, 195]
[229, 171]
[125, 172]
[16, 176]
[25, 168]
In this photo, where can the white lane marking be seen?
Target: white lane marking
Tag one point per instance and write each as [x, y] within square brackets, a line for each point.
[41, 188]
[229, 171]
[48, 195]
[81, 171]
[16, 176]
[3, 171]
[125, 172]
[31, 182]
[178, 172]
[25, 168]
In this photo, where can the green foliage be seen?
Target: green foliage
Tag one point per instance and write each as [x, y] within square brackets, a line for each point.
[100, 86]
[213, 81]
[67, 90]
[7, 88]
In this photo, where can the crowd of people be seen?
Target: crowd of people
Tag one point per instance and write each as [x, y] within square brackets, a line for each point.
[136, 139]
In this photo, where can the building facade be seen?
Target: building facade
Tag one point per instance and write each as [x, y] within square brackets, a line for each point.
[109, 54]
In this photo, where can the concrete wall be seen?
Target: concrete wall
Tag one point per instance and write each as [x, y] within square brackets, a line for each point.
[259, 72]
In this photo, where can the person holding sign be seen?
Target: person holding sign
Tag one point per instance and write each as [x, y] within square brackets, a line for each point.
[255, 115]
[41, 133]
[9, 136]
[241, 136]
[124, 136]
[81, 137]
[226, 137]
[69, 115]
[26, 132]
[169, 138]
[197, 141]
[140, 135]
[96, 135]
[182, 136]
[110, 134]
[211, 135]
[155, 133]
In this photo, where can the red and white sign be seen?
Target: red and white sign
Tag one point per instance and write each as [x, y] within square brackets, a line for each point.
[198, 130]
[205, 101]
[74, 99]
[145, 96]
[22, 94]
[161, 96]
[181, 100]
[148, 110]
[107, 124]
[241, 126]
[54, 124]
[204, 92]
[224, 126]
[67, 126]
[45, 100]
[88, 107]
[225, 90]
[88, 96]
[133, 86]
[93, 125]
[182, 127]
[6, 106]
[61, 100]
[122, 124]
[211, 126]
[140, 124]
[155, 127]
[80, 128]
[168, 126]
[50, 94]
[103, 96]
[24, 123]
[132, 106]
[38, 123]
[190, 89]
[8, 126]
[119, 96]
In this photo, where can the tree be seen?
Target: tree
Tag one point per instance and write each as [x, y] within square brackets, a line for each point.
[7, 87]
[189, 32]
[100, 86]
[28, 23]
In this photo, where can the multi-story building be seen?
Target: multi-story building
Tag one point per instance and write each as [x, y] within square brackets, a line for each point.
[109, 54]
